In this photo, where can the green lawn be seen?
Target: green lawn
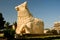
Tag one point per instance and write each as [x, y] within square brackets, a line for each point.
[30, 36]
[46, 36]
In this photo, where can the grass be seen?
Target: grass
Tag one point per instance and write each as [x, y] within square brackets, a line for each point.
[42, 36]
[37, 36]
[33, 36]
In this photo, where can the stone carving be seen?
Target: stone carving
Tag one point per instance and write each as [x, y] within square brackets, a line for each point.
[56, 24]
[26, 23]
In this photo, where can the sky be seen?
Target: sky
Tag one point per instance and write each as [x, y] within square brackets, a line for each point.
[47, 10]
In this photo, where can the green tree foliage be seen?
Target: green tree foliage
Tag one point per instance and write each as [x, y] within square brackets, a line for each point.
[2, 22]
[9, 32]
[6, 25]
[52, 31]
[47, 29]
[15, 24]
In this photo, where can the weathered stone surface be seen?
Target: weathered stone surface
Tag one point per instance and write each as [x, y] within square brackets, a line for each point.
[57, 26]
[26, 23]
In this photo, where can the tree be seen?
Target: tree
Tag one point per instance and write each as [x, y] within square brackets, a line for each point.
[2, 22]
[52, 31]
[7, 24]
[9, 32]
[15, 24]
[47, 29]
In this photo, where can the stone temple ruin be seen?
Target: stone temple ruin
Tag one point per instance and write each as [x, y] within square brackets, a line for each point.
[26, 23]
[57, 26]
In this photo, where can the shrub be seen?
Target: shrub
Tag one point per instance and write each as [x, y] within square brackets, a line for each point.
[9, 33]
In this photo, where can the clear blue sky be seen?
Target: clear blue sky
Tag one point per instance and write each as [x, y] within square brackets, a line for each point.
[47, 10]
